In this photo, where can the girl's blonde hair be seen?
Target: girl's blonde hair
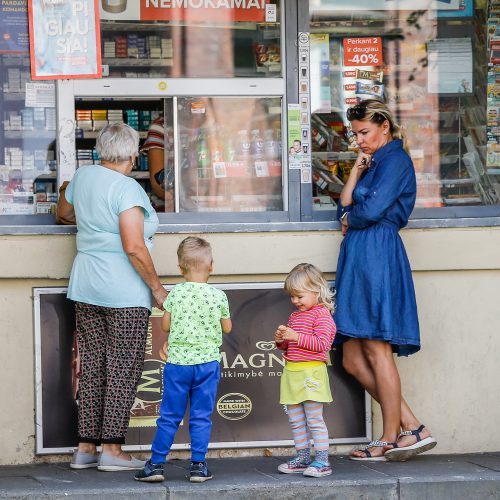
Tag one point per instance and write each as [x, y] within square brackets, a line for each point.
[376, 111]
[308, 278]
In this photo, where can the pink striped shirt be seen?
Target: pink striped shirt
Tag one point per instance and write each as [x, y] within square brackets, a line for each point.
[316, 330]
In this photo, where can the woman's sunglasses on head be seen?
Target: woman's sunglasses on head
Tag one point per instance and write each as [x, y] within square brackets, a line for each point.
[356, 112]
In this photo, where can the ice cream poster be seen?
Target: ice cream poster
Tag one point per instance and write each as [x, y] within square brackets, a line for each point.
[64, 39]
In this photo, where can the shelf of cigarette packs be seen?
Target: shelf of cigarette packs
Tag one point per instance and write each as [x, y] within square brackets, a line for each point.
[93, 115]
[332, 158]
[225, 171]
[146, 50]
[28, 134]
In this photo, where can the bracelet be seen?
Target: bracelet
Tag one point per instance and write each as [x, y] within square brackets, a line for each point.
[343, 216]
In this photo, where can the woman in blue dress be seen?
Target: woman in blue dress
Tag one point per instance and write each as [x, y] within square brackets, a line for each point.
[376, 311]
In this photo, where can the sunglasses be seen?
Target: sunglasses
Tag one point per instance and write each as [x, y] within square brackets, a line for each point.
[357, 112]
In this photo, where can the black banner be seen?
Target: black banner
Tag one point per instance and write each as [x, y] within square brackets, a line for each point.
[247, 411]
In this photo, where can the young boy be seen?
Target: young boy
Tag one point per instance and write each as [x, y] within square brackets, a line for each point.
[195, 316]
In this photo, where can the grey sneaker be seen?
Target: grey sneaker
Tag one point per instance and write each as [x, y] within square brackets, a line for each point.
[294, 466]
[109, 463]
[82, 460]
[318, 469]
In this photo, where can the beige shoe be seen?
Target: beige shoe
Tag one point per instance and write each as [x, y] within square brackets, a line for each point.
[82, 460]
[109, 463]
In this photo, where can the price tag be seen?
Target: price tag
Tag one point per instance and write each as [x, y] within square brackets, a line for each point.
[363, 51]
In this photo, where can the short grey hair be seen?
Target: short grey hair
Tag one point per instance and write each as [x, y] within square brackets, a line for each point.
[117, 142]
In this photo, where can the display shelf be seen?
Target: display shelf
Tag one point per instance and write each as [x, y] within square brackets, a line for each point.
[30, 134]
[335, 155]
[139, 175]
[46, 177]
[92, 134]
[120, 27]
[14, 96]
[471, 200]
[137, 62]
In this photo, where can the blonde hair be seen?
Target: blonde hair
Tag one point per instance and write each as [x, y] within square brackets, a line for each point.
[376, 111]
[194, 254]
[308, 278]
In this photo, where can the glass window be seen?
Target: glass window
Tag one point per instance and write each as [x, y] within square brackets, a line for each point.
[229, 154]
[210, 39]
[27, 140]
[224, 153]
[433, 69]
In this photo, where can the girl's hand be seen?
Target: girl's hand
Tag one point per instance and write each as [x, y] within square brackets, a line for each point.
[278, 334]
[289, 334]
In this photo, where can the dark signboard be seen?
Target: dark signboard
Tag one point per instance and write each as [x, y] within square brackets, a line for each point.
[247, 411]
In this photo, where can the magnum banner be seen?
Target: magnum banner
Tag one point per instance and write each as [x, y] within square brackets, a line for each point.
[247, 411]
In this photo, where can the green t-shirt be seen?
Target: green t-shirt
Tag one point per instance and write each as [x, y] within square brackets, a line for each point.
[195, 330]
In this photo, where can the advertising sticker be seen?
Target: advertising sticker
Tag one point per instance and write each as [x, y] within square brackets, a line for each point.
[64, 39]
[14, 36]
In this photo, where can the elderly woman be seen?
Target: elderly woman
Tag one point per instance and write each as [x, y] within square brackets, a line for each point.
[376, 307]
[113, 281]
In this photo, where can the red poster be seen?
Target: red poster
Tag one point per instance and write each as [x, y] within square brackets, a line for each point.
[363, 51]
[203, 10]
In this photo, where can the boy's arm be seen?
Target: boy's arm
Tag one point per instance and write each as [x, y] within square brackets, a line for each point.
[165, 322]
[227, 325]
[225, 321]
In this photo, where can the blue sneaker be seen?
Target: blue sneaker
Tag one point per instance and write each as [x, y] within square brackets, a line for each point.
[199, 473]
[151, 473]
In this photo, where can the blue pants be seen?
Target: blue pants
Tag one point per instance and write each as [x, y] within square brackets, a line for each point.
[180, 382]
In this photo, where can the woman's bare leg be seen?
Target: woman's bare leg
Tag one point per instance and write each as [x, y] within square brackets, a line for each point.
[356, 364]
[388, 385]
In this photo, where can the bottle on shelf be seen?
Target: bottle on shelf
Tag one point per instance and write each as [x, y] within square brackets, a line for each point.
[270, 145]
[216, 148]
[203, 157]
[257, 145]
[229, 150]
[244, 146]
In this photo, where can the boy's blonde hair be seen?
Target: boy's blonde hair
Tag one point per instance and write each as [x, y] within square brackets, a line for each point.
[194, 254]
[308, 278]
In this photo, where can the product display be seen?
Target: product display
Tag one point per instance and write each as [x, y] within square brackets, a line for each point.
[493, 94]
[452, 137]
[97, 115]
[231, 49]
[27, 145]
[229, 149]
[230, 154]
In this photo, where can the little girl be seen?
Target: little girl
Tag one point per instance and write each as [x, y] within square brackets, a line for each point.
[304, 384]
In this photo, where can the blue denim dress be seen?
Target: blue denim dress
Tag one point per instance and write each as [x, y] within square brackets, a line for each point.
[375, 295]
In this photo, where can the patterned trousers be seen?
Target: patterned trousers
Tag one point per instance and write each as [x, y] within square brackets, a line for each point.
[111, 343]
